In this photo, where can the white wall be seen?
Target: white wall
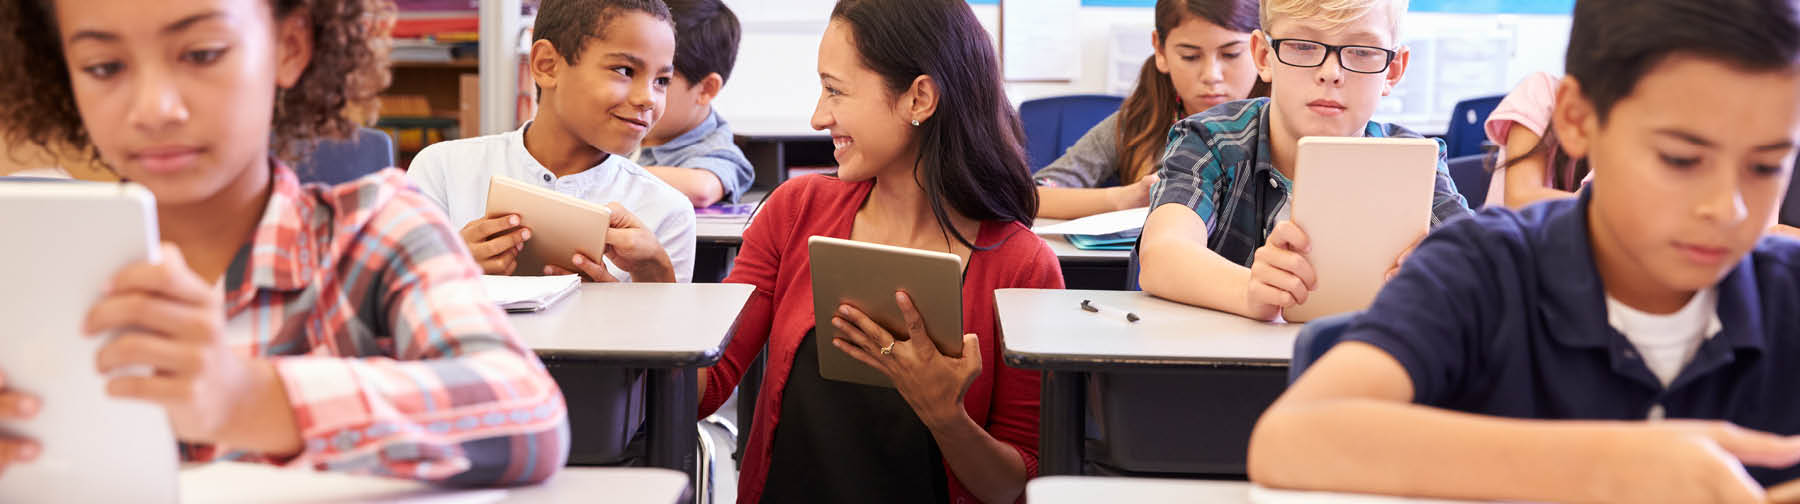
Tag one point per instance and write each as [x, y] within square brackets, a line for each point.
[775, 83]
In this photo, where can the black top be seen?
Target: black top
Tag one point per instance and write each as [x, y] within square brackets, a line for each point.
[847, 442]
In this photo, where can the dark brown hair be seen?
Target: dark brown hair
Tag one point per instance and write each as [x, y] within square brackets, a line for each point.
[1154, 106]
[972, 150]
[568, 24]
[706, 39]
[349, 66]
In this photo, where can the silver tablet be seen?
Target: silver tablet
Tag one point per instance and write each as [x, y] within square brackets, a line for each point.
[866, 275]
[67, 240]
[1361, 201]
[561, 225]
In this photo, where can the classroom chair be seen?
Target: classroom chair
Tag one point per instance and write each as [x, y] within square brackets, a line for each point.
[1471, 175]
[1053, 124]
[1466, 133]
[338, 161]
[1315, 339]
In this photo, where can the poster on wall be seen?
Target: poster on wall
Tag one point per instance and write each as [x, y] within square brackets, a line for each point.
[1040, 40]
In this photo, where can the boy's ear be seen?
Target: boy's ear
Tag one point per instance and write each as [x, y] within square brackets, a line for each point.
[1264, 55]
[545, 64]
[920, 101]
[293, 50]
[1397, 69]
[708, 89]
[1574, 118]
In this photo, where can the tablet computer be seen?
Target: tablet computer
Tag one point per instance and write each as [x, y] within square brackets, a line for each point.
[561, 225]
[68, 240]
[1361, 201]
[865, 275]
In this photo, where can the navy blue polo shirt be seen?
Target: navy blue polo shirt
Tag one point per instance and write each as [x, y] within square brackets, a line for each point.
[1503, 314]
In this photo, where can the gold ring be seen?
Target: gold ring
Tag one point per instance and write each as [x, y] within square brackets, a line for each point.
[888, 350]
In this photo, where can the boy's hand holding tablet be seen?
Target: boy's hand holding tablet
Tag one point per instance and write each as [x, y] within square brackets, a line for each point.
[631, 246]
[495, 242]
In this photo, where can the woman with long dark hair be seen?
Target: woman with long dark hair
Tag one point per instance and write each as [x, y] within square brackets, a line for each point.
[930, 157]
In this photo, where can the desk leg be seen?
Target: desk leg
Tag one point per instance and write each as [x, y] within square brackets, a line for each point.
[673, 408]
[1060, 422]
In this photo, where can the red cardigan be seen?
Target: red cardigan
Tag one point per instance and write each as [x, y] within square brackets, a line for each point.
[774, 259]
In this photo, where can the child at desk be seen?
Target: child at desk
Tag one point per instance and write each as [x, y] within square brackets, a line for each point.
[1535, 168]
[691, 146]
[602, 69]
[1634, 344]
[1201, 59]
[335, 328]
[1218, 235]
[931, 156]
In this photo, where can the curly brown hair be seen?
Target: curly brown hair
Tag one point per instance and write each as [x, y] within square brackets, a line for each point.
[348, 69]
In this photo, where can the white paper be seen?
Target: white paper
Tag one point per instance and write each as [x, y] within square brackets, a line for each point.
[1100, 224]
[1263, 495]
[1037, 39]
[526, 293]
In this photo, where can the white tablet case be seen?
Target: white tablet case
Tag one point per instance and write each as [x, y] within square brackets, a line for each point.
[1361, 201]
[66, 240]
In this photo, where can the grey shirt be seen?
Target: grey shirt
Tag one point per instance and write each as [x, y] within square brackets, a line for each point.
[706, 147]
[1093, 160]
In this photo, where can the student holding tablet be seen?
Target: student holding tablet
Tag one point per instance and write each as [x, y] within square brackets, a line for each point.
[1201, 59]
[1636, 344]
[1218, 235]
[931, 157]
[335, 328]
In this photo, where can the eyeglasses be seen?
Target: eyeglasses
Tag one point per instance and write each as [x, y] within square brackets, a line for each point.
[1355, 58]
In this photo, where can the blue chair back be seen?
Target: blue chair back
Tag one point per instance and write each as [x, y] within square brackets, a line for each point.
[1315, 339]
[1466, 133]
[338, 161]
[1470, 173]
[1053, 124]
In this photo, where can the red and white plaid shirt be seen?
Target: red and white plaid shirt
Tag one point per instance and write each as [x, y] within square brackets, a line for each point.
[396, 363]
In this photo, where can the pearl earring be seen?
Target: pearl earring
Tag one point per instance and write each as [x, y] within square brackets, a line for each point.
[915, 122]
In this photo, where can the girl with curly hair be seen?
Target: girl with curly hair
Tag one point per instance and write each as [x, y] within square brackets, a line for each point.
[338, 328]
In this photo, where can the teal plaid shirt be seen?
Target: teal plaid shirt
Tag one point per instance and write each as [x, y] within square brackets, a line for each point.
[1218, 164]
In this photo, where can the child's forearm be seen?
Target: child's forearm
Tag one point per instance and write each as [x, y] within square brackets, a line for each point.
[1174, 254]
[1392, 448]
[1074, 203]
[702, 187]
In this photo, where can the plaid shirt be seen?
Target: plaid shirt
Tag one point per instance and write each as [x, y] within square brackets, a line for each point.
[1218, 164]
[394, 360]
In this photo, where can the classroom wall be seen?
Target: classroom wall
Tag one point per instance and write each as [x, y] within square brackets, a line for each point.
[775, 81]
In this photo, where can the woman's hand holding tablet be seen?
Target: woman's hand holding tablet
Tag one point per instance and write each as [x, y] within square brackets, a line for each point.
[931, 382]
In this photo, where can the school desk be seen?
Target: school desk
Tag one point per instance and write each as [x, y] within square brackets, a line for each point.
[669, 330]
[1179, 389]
[1088, 269]
[775, 144]
[233, 483]
[1078, 489]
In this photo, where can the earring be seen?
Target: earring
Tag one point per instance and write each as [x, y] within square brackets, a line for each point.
[915, 122]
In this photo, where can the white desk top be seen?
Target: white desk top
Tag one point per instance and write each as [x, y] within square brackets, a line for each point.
[799, 127]
[228, 482]
[1048, 329]
[630, 324]
[1080, 489]
[1067, 251]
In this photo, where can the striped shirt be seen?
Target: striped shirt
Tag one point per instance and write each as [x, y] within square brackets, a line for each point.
[1218, 164]
[395, 362]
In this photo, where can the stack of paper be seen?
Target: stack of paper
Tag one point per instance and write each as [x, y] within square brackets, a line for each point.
[1108, 231]
[528, 294]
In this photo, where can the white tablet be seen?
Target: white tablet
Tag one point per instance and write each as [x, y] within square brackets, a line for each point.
[866, 275]
[1361, 201]
[67, 240]
[561, 225]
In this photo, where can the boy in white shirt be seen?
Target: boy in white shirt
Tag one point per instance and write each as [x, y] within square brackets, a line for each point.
[602, 68]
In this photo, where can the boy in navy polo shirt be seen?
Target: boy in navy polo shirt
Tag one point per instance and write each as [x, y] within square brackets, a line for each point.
[1640, 343]
[691, 147]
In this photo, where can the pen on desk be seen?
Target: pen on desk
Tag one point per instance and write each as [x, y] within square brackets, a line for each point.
[1092, 307]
